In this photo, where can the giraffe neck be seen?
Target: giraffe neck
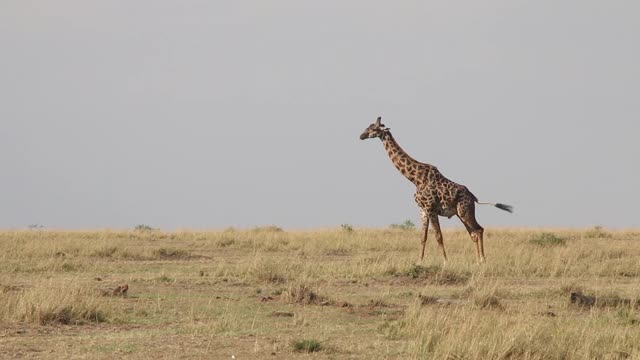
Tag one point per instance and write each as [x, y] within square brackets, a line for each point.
[400, 159]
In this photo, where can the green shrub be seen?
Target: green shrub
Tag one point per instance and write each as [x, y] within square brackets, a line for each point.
[406, 225]
[346, 228]
[307, 346]
[143, 227]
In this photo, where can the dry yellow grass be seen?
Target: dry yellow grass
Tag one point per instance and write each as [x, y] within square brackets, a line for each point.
[356, 294]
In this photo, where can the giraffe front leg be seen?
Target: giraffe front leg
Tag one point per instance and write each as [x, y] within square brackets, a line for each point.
[439, 239]
[425, 228]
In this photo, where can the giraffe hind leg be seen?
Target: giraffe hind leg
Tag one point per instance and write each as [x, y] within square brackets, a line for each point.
[466, 213]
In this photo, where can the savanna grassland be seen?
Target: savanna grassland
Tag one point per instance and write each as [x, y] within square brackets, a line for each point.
[330, 294]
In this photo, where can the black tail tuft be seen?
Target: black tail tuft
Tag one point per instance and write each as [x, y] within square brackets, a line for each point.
[504, 207]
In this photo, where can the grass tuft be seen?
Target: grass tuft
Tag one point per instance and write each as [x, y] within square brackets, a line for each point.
[268, 229]
[165, 279]
[225, 241]
[171, 253]
[598, 232]
[435, 275]
[307, 346]
[44, 305]
[303, 295]
[105, 252]
[547, 239]
[269, 272]
[488, 302]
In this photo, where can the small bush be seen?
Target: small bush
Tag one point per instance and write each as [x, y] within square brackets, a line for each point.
[548, 240]
[143, 227]
[346, 228]
[597, 232]
[166, 279]
[435, 275]
[418, 271]
[269, 228]
[307, 346]
[406, 225]
[69, 266]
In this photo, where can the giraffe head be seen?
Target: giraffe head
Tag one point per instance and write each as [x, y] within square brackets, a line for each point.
[377, 129]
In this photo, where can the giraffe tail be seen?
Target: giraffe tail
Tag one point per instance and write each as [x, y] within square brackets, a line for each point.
[507, 208]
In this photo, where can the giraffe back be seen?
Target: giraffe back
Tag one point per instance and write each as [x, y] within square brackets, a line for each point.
[440, 195]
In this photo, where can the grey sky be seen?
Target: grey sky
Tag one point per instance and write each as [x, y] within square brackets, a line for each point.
[207, 114]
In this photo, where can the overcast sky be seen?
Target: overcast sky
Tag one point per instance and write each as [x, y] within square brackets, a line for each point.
[208, 114]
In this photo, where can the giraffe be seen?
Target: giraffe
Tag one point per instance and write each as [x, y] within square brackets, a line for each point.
[435, 194]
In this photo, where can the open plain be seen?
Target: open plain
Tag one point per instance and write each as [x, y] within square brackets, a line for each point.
[326, 294]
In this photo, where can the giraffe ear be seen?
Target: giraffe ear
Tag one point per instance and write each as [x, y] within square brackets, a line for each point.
[378, 121]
